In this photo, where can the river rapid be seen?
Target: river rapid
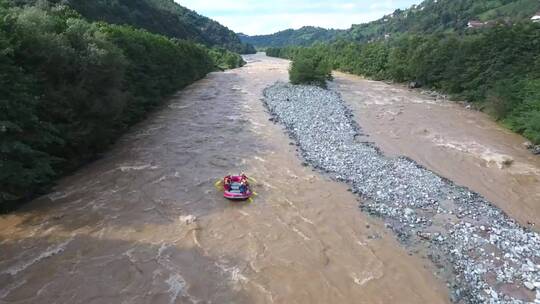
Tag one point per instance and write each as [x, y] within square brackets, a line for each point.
[463, 145]
[145, 224]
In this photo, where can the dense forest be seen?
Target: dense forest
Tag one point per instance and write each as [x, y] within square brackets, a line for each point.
[497, 68]
[164, 17]
[429, 17]
[305, 36]
[70, 87]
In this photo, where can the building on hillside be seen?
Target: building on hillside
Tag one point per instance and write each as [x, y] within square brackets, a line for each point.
[536, 17]
[475, 24]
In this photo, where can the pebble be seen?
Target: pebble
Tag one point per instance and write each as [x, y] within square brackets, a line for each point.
[407, 197]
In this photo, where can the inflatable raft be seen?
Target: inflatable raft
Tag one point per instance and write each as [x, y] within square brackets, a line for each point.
[236, 187]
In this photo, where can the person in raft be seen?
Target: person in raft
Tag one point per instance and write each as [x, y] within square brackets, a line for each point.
[243, 183]
[227, 183]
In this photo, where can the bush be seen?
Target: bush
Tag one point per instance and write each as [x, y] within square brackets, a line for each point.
[23, 137]
[525, 118]
[310, 68]
[225, 59]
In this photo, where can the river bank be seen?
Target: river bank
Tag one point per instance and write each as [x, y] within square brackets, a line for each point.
[484, 255]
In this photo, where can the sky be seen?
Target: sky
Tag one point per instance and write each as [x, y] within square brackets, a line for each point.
[266, 17]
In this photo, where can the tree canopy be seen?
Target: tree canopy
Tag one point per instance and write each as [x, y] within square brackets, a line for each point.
[164, 17]
[310, 67]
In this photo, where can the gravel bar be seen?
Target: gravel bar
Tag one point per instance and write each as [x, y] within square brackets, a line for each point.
[483, 255]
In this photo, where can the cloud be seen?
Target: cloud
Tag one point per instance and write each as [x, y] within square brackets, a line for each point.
[264, 17]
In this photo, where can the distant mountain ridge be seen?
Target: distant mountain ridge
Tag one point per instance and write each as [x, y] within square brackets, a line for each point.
[304, 36]
[430, 16]
[164, 17]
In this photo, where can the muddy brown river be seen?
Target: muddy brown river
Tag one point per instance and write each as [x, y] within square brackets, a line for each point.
[463, 145]
[146, 225]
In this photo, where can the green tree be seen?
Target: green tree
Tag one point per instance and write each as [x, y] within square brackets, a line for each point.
[310, 68]
[24, 165]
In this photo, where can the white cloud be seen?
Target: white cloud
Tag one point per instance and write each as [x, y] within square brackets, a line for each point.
[265, 17]
[267, 24]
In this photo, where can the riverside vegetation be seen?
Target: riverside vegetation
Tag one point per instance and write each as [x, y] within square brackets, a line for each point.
[70, 87]
[311, 68]
[496, 68]
[164, 17]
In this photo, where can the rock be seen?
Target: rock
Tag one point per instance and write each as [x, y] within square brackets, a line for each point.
[529, 285]
[528, 145]
[188, 219]
[408, 198]
[424, 235]
[494, 295]
[408, 212]
[506, 162]
[414, 85]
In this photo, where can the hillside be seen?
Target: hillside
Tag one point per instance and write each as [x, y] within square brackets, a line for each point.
[430, 16]
[304, 36]
[164, 17]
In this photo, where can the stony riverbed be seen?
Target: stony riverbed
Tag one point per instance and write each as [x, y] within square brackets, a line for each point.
[484, 255]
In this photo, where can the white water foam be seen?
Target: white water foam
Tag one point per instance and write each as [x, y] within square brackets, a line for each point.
[177, 286]
[301, 234]
[179, 106]
[49, 252]
[137, 168]
[477, 150]
[259, 159]
[361, 281]
[9, 288]
[57, 195]
[234, 273]
[188, 219]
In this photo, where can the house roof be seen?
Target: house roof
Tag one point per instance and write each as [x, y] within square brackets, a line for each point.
[475, 23]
